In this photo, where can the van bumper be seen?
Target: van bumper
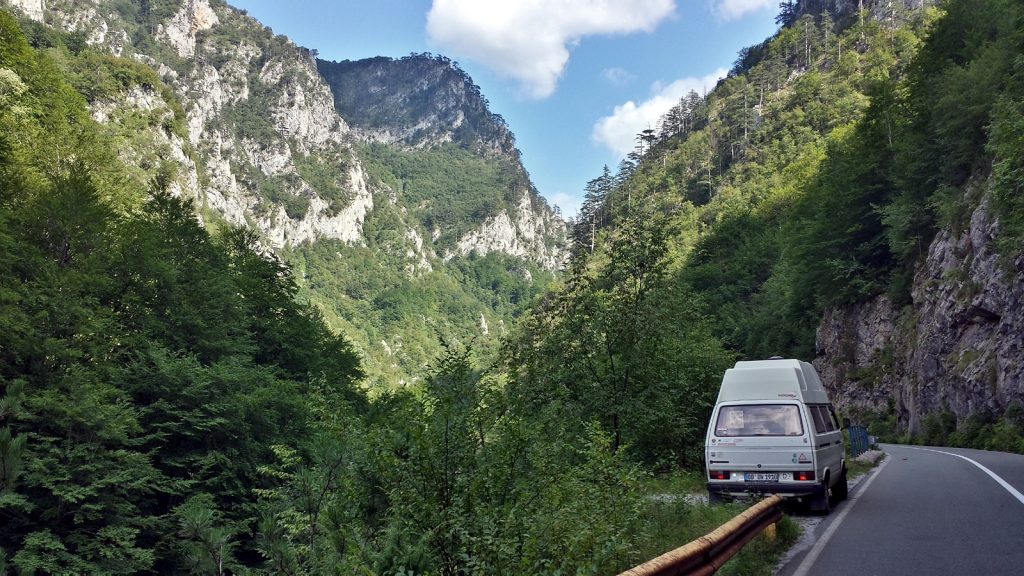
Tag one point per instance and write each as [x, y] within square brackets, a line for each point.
[786, 490]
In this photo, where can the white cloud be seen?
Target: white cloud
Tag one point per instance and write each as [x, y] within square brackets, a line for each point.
[735, 9]
[529, 40]
[617, 76]
[618, 131]
[568, 204]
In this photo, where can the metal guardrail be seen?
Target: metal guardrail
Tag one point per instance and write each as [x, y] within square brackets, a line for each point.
[859, 441]
[707, 554]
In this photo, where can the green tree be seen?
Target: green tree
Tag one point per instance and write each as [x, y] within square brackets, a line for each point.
[625, 344]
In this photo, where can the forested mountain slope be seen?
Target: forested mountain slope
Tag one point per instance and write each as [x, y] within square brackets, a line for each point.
[943, 359]
[677, 265]
[241, 120]
[849, 193]
[168, 406]
[147, 367]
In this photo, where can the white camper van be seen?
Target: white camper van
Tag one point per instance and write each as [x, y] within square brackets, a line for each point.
[773, 430]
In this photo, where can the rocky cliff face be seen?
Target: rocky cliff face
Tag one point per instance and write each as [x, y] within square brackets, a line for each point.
[957, 346]
[416, 101]
[213, 79]
[261, 119]
[521, 231]
[246, 125]
[180, 31]
[31, 8]
[424, 101]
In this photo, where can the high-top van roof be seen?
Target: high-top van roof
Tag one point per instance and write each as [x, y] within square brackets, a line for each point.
[781, 379]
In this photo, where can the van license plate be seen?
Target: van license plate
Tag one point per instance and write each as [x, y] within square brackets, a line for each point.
[761, 477]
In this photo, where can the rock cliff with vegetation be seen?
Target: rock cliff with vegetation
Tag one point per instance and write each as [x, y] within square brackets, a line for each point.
[849, 194]
[938, 355]
[396, 170]
[171, 403]
[419, 100]
[175, 395]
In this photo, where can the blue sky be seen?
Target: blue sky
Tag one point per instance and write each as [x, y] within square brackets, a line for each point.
[575, 79]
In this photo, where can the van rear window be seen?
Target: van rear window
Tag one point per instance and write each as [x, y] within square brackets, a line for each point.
[759, 420]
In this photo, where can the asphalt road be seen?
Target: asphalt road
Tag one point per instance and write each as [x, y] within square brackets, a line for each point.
[924, 513]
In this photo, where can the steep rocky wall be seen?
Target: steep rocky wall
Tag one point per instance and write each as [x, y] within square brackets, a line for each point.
[416, 101]
[523, 231]
[958, 346]
[146, 149]
[226, 68]
[422, 101]
[194, 16]
[31, 8]
[297, 103]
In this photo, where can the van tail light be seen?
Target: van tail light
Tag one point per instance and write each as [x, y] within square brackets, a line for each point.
[719, 474]
[804, 476]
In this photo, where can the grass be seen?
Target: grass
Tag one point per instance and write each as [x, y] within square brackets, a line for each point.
[761, 554]
[672, 522]
[855, 468]
[678, 483]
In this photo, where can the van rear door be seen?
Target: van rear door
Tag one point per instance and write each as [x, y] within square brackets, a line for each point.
[759, 439]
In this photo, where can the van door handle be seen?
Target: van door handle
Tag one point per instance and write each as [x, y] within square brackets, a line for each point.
[838, 442]
[824, 444]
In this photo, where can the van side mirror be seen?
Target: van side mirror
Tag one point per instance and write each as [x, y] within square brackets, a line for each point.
[846, 423]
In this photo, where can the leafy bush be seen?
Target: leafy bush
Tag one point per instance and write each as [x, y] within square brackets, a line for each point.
[1006, 438]
[162, 361]
[1005, 146]
[984, 431]
[937, 427]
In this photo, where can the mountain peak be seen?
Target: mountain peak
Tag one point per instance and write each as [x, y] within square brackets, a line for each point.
[417, 101]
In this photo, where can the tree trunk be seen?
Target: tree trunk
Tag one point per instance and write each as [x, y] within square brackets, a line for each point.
[617, 441]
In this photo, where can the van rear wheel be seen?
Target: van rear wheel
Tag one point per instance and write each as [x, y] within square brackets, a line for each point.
[841, 489]
[822, 503]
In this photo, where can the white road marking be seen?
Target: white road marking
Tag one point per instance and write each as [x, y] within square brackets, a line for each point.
[1013, 491]
[812, 556]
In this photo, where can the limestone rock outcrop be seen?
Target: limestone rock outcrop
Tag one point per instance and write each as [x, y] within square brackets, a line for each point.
[958, 346]
[258, 109]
